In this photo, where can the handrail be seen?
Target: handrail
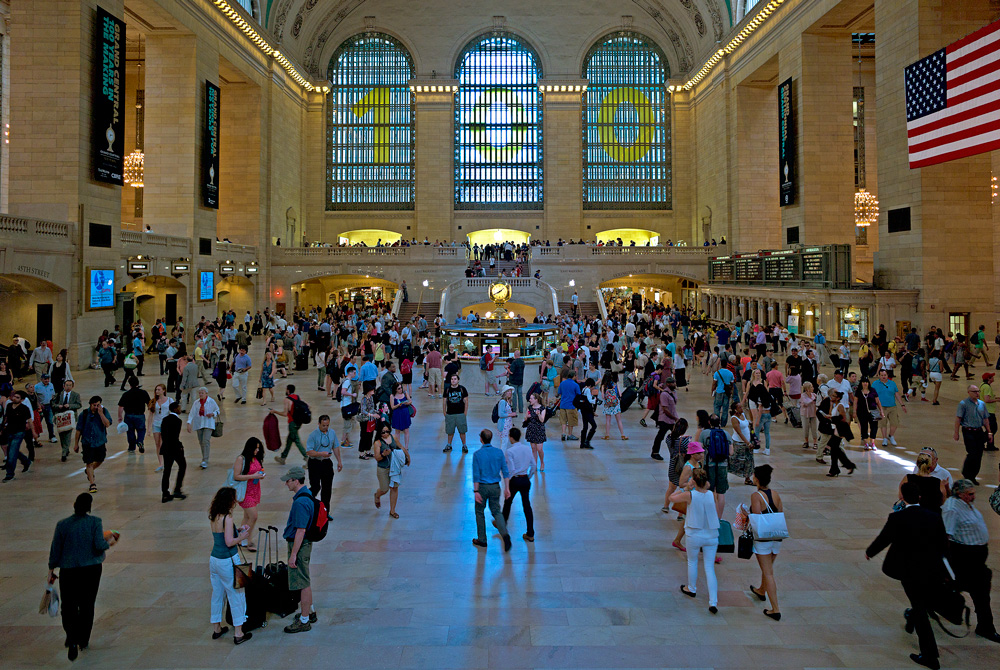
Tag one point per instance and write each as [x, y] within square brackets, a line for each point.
[601, 307]
[397, 301]
[137, 238]
[16, 225]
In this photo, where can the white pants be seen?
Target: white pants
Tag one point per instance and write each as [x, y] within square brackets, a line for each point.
[708, 542]
[221, 572]
[240, 384]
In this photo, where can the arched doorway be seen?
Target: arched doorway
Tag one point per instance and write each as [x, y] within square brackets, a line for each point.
[497, 236]
[660, 288]
[34, 309]
[150, 298]
[369, 237]
[236, 293]
[334, 289]
[640, 236]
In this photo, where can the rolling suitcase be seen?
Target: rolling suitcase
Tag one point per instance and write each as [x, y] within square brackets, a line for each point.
[274, 579]
[256, 612]
[272, 434]
[792, 408]
[302, 361]
[629, 396]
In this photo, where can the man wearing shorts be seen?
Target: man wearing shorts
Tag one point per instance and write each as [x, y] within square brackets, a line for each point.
[432, 363]
[299, 548]
[718, 472]
[456, 409]
[988, 396]
[567, 393]
[889, 396]
[92, 431]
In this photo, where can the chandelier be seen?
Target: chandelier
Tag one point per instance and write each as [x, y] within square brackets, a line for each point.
[134, 169]
[865, 208]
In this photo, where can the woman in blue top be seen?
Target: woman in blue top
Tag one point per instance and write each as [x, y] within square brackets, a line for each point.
[220, 564]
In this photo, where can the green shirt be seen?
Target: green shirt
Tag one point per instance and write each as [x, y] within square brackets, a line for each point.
[986, 390]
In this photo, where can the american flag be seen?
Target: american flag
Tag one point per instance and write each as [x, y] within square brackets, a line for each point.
[953, 100]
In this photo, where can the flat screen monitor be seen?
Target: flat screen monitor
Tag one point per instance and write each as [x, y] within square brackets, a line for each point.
[206, 285]
[102, 289]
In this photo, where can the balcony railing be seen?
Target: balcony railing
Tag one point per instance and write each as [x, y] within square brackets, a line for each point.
[155, 242]
[52, 230]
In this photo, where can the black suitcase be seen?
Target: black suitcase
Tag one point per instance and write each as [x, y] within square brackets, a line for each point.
[256, 612]
[629, 396]
[274, 581]
[302, 361]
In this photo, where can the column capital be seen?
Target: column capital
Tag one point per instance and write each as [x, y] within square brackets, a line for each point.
[562, 90]
[433, 90]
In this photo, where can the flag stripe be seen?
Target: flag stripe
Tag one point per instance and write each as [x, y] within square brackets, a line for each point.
[970, 71]
[950, 147]
[980, 117]
[973, 41]
[992, 87]
[964, 152]
[987, 123]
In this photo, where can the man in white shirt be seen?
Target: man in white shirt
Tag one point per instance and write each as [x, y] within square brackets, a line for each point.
[938, 471]
[519, 463]
[839, 383]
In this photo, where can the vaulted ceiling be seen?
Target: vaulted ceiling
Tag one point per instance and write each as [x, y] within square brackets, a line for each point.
[310, 30]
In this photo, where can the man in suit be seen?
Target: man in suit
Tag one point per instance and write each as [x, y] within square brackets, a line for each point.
[66, 400]
[188, 383]
[173, 452]
[916, 540]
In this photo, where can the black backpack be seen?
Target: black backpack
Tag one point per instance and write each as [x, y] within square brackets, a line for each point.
[496, 413]
[319, 522]
[301, 414]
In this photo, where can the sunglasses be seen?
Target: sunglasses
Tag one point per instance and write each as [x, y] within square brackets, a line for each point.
[387, 432]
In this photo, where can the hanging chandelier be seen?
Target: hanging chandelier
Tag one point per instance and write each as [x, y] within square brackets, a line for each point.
[134, 169]
[865, 208]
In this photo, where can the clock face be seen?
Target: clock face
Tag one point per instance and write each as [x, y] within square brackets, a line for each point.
[499, 292]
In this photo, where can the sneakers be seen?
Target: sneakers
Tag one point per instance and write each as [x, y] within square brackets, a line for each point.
[446, 449]
[92, 489]
[885, 442]
[313, 617]
[892, 441]
[572, 438]
[656, 457]
[279, 460]
[204, 465]
[642, 422]
[53, 439]
[465, 449]
[298, 627]
[767, 452]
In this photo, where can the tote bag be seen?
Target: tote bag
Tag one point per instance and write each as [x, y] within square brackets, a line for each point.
[241, 487]
[768, 527]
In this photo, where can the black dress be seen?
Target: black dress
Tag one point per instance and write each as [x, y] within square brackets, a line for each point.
[535, 432]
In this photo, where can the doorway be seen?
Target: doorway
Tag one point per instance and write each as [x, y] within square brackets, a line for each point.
[43, 323]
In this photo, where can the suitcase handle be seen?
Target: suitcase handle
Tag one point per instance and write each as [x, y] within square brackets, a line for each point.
[262, 549]
[277, 543]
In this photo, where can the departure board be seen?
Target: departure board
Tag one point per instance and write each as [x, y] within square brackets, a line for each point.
[780, 269]
[812, 266]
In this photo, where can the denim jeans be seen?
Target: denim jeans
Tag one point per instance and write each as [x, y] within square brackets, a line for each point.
[720, 406]
[47, 417]
[517, 403]
[136, 429]
[14, 453]
[765, 427]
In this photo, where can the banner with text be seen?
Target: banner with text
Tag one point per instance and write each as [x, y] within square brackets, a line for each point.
[108, 114]
[786, 143]
[210, 180]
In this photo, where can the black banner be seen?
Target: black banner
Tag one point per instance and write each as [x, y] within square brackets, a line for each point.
[108, 112]
[786, 143]
[210, 160]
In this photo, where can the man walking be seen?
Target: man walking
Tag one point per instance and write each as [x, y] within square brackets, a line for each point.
[67, 401]
[41, 359]
[293, 428]
[916, 540]
[188, 383]
[173, 452]
[519, 461]
[106, 357]
[489, 468]
[92, 430]
[968, 547]
[321, 446]
[891, 400]
[515, 379]
[722, 390]
[44, 393]
[132, 410]
[432, 364]
[566, 394]
[241, 371]
[666, 417]
[456, 410]
[973, 420]
[299, 548]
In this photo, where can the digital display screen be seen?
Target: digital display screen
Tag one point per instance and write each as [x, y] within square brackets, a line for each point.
[206, 286]
[102, 289]
[492, 348]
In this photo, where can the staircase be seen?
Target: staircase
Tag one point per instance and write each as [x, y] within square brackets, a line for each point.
[586, 309]
[505, 266]
[410, 309]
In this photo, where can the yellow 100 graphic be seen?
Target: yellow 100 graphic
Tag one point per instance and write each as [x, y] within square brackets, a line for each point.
[499, 147]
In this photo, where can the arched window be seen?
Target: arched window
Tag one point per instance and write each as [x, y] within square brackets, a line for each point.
[498, 125]
[626, 125]
[370, 127]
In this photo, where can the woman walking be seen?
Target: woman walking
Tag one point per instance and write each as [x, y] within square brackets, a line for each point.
[220, 565]
[505, 415]
[367, 417]
[59, 371]
[401, 417]
[833, 413]
[934, 369]
[385, 447]
[694, 459]
[249, 467]
[807, 412]
[701, 525]
[741, 462]
[77, 550]
[677, 443]
[869, 412]
[267, 377]
[534, 425]
[201, 418]
[159, 408]
[612, 404]
[766, 501]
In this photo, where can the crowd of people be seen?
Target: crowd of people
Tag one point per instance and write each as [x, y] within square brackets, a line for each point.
[372, 367]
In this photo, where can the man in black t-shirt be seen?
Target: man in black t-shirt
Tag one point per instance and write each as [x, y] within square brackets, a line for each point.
[132, 410]
[793, 364]
[456, 409]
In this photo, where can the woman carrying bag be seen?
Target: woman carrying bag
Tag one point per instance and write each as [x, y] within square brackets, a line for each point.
[701, 526]
[834, 416]
[766, 501]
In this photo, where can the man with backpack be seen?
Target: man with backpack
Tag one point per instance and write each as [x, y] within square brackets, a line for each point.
[298, 414]
[723, 383]
[717, 452]
[301, 519]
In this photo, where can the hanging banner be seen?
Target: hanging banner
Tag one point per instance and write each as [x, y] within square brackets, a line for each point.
[210, 159]
[786, 143]
[108, 115]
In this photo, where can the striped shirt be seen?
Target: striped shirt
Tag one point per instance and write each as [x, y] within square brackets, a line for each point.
[964, 523]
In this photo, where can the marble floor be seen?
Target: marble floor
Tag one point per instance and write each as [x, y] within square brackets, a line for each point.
[597, 589]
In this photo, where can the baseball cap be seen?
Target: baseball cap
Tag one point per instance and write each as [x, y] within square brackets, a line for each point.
[294, 473]
[986, 375]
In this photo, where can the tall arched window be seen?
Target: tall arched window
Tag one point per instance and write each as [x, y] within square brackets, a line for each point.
[370, 126]
[626, 125]
[498, 125]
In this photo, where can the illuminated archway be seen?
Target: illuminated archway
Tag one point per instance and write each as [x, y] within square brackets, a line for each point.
[498, 235]
[640, 236]
[370, 237]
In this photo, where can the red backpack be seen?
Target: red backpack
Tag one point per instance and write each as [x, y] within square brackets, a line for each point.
[406, 367]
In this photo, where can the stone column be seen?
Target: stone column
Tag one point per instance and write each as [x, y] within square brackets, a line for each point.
[177, 67]
[562, 136]
[435, 160]
[783, 313]
[822, 93]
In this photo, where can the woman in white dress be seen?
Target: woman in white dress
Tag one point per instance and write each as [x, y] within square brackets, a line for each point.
[159, 407]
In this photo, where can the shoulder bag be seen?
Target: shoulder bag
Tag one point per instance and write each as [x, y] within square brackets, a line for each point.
[241, 486]
[770, 526]
[744, 548]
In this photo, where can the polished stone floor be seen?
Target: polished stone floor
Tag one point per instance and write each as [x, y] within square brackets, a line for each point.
[597, 589]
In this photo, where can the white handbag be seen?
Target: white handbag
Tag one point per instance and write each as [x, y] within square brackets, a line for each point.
[65, 421]
[768, 527]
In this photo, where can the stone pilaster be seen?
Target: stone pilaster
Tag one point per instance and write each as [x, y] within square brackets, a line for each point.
[435, 159]
[563, 137]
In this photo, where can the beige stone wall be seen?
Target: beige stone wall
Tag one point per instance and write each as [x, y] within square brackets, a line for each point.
[756, 193]
[239, 163]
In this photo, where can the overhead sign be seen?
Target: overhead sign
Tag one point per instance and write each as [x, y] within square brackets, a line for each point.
[786, 143]
[108, 115]
[210, 160]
